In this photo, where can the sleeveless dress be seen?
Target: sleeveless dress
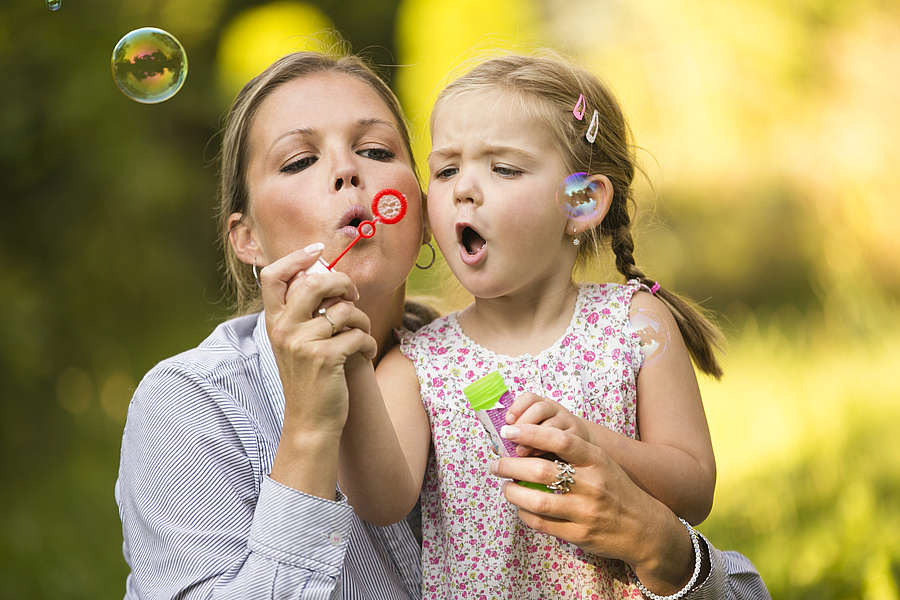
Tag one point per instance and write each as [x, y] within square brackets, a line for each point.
[474, 545]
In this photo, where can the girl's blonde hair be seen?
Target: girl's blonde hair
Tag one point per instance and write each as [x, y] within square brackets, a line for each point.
[233, 195]
[547, 87]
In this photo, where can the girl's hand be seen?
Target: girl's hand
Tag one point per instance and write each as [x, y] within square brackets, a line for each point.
[531, 409]
[604, 512]
[309, 352]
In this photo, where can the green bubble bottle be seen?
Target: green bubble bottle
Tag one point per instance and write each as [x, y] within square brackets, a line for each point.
[490, 399]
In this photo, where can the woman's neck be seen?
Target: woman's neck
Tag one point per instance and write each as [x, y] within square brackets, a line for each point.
[523, 323]
[385, 314]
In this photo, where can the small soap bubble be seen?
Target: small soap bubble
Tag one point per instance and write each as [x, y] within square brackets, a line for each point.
[149, 65]
[54, 4]
[576, 197]
[652, 331]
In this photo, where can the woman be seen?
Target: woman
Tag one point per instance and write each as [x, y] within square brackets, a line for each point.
[231, 453]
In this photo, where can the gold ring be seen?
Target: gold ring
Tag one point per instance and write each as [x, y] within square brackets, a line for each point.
[323, 313]
[564, 478]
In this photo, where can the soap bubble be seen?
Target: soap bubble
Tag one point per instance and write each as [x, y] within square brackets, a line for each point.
[575, 197]
[652, 331]
[54, 4]
[149, 65]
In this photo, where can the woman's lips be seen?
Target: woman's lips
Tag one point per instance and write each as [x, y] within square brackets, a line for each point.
[352, 217]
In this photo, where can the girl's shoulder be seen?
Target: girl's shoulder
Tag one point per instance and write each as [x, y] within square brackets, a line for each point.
[607, 295]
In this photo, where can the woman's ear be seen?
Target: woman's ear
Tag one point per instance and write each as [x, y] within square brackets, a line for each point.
[601, 192]
[243, 241]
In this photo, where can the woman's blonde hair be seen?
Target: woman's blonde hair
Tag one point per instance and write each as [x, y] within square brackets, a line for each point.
[547, 86]
[233, 195]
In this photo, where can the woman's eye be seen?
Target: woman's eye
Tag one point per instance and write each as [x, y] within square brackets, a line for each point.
[382, 154]
[299, 164]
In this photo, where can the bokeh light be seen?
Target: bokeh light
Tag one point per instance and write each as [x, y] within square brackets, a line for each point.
[54, 4]
[149, 65]
[260, 35]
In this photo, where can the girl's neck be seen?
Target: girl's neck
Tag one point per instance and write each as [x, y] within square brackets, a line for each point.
[522, 323]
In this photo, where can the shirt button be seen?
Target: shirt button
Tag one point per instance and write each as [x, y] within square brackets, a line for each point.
[335, 538]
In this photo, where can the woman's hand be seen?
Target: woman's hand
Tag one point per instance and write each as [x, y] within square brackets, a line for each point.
[604, 512]
[311, 354]
[532, 409]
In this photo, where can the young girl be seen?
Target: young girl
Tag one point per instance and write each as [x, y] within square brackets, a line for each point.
[505, 136]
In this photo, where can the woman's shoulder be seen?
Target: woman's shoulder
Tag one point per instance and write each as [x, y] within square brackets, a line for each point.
[228, 352]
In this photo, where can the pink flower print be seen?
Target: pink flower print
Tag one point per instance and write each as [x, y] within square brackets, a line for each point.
[463, 350]
[589, 356]
[560, 367]
[608, 330]
[606, 311]
[442, 350]
[593, 318]
[437, 382]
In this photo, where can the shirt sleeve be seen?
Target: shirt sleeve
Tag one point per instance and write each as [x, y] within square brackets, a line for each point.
[731, 577]
[199, 521]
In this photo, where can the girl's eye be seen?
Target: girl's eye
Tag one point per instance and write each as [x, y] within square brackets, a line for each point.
[299, 164]
[380, 154]
[446, 173]
[506, 171]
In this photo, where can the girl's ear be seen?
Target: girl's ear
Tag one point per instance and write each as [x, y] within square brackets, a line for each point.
[601, 192]
[243, 241]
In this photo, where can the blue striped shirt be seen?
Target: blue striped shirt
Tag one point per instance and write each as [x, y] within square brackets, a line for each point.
[202, 519]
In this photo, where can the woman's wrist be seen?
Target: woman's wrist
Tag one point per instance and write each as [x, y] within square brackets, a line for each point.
[670, 568]
[695, 578]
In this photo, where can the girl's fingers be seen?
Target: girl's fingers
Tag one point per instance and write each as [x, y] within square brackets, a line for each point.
[520, 405]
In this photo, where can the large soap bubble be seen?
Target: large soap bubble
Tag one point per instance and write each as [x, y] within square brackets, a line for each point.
[651, 330]
[149, 65]
[576, 197]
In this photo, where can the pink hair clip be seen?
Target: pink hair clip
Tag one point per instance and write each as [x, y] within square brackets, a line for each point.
[655, 288]
[581, 103]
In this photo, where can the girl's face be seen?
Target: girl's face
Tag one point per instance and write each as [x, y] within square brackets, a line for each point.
[321, 147]
[493, 175]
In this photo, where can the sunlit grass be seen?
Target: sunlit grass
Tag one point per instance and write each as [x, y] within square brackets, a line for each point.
[806, 427]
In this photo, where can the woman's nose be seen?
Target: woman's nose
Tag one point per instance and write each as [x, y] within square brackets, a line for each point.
[346, 173]
[344, 180]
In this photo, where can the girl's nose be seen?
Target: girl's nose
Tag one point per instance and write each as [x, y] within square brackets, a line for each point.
[466, 190]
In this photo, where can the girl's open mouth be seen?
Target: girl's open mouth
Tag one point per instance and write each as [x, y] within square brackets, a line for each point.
[472, 246]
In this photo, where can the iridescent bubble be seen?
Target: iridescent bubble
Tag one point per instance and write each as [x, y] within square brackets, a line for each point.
[576, 197]
[54, 4]
[149, 65]
[652, 331]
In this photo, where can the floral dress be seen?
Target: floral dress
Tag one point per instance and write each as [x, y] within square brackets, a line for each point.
[474, 545]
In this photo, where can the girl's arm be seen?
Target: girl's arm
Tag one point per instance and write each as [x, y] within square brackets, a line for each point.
[385, 443]
[673, 461]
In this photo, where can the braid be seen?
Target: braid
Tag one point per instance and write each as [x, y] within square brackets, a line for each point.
[700, 335]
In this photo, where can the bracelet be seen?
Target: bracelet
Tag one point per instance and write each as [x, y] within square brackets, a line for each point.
[698, 563]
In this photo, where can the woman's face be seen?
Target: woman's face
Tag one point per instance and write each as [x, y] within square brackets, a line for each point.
[321, 147]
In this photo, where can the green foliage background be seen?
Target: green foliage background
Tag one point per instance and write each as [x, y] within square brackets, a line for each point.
[770, 135]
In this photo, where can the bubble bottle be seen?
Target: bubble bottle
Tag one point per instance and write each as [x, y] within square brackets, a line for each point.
[490, 399]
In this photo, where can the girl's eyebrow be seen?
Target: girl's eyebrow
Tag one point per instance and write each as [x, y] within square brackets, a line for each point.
[487, 150]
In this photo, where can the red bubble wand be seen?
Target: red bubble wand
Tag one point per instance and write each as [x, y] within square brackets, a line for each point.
[388, 206]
